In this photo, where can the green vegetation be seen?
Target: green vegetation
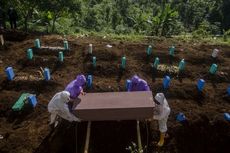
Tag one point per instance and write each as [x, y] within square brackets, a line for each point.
[133, 148]
[201, 18]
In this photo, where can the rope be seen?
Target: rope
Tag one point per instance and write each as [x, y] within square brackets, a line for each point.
[76, 136]
[147, 136]
[139, 136]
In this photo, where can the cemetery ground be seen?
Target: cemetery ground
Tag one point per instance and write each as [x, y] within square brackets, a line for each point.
[205, 129]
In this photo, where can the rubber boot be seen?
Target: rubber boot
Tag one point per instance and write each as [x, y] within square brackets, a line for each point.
[161, 141]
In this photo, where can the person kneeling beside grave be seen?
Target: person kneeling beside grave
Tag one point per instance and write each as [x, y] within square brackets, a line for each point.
[58, 107]
[138, 84]
[161, 113]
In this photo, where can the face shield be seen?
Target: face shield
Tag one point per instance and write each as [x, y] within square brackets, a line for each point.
[156, 102]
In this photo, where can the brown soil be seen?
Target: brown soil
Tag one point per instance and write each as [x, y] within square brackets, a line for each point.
[28, 131]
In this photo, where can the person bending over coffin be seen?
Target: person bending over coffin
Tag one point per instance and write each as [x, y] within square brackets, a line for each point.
[75, 88]
[58, 107]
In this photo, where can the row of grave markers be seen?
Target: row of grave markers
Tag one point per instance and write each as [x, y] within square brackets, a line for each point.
[149, 49]
[11, 75]
[166, 81]
[180, 117]
[30, 55]
[200, 84]
[172, 51]
[47, 76]
[181, 66]
[37, 44]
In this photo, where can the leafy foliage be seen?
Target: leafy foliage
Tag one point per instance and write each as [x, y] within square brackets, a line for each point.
[161, 17]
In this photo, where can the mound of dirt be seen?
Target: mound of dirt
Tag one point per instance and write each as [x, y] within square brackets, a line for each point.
[16, 35]
[203, 135]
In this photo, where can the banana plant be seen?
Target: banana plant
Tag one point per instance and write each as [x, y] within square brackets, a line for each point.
[164, 21]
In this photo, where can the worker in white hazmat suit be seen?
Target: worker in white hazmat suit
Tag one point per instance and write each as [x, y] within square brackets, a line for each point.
[161, 113]
[58, 107]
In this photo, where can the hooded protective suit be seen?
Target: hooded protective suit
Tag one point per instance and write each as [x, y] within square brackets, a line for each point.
[162, 112]
[138, 84]
[75, 87]
[58, 107]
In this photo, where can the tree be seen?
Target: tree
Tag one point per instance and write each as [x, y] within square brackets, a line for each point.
[159, 17]
[57, 8]
[122, 7]
[76, 13]
[137, 19]
[90, 19]
[226, 14]
[25, 9]
[116, 19]
[163, 23]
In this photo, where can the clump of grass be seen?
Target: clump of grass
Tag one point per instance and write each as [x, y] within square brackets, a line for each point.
[133, 148]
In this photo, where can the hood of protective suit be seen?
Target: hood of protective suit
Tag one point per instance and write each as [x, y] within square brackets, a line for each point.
[162, 111]
[80, 80]
[75, 86]
[65, 96]
[58, 106]
[160, 98]
[135, 79]
[138, 84]
[58, 101]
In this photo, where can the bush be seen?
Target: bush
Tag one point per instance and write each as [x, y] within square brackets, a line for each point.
[202, 31]
[215, 28]
[226, 34]
[121, 29]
